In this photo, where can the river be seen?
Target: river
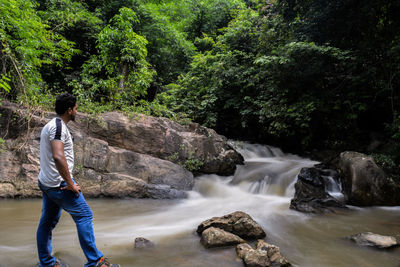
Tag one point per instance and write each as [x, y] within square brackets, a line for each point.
[262, 188]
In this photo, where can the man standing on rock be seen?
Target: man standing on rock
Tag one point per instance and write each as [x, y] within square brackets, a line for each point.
[60, 190]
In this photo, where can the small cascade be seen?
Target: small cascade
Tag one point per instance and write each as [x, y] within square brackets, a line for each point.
[267, 170]
[334, 188]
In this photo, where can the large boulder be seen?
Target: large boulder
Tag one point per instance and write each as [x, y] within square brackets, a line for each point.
[263, 256]
[214, 237]
[374, 240]
[165, 139]
[310, 192]
[115, 156]
[238, 223]
[364, 183]
[18, 174]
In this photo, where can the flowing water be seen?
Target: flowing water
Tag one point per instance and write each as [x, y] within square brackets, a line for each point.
[262, 188]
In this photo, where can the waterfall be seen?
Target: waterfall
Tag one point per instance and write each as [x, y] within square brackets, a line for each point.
[266, 171]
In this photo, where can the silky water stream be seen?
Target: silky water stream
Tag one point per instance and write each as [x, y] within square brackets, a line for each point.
[262, 188]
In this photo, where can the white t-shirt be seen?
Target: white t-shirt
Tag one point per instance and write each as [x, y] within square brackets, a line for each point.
[54, 131]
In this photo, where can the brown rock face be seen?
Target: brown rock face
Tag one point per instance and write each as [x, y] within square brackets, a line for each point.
[18, 178]
[364, 183]
[238, 223]
[215, 237]
[115, 156]
[165, 139]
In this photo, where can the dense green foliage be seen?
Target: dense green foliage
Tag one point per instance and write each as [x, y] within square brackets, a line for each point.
[301, 74]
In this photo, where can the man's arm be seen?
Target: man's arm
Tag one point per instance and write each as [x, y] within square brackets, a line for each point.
[57, 148]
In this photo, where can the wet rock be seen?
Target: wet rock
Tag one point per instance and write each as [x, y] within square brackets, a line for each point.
[256, 258]
[364, 183]
[242, 249]
[122, 185]
[374, 240]
[238, 223]
[164, 192]
[215, 237]
[310, 195]
[274, 254]
[141, 242]
[264, 255]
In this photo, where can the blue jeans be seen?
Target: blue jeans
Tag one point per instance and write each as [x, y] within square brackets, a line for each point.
[54, 200]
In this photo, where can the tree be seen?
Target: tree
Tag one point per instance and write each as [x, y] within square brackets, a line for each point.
[27, 45]
[72, 20]
[258, 82]
[120, 70]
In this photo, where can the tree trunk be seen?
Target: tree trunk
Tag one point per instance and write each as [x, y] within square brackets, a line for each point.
[123, 69]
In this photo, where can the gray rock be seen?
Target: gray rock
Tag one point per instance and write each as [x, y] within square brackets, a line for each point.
[264, 255]
[242, 250]
[256, 258]
[215, 237]
[164, 192]
[141, 242]
[310, 195]
[238, 223]
[150, 169]
[364, 183]
[374, 240]
[274, 253]
[122, 185]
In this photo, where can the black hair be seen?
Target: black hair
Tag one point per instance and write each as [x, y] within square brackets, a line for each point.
[64, 102]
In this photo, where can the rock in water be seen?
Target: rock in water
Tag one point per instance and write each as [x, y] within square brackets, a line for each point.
[238, 223]
[256, 258]
[264, 255]
[364, 183]
[374, 240]
[141, 242]
[310, 195]
[215, 237]
[274, 254]
[242, 249]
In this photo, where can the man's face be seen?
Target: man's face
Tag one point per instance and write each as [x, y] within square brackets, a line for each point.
[74, 110]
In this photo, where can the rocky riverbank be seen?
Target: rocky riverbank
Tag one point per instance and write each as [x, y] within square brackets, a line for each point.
[362, 183]
[115, 155]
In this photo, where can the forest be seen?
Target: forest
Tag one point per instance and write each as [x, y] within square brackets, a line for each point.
[303, 75]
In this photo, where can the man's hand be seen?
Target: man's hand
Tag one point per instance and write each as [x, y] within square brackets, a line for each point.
[57, 148]
[74, 188]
